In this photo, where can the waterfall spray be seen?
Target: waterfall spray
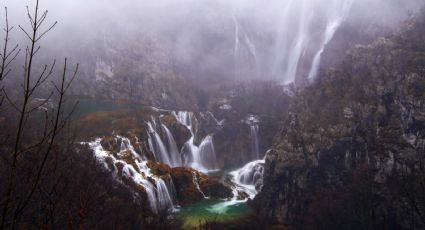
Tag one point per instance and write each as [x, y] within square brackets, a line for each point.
[334, 22]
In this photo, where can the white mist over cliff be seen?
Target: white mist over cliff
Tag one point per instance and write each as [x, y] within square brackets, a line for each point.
[250, 39]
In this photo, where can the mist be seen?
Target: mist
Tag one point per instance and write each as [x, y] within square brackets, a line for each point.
[212, 114]
[211, 39]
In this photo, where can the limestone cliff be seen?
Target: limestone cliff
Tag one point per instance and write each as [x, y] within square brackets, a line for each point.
[351, 150]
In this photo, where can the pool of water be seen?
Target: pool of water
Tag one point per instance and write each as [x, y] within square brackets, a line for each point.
[212, 209]
[86, 107]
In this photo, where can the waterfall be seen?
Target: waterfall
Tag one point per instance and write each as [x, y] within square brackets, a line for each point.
[200, 157]
[254, 142]
[249, 178]
[334, 21]
[251, 173]
[157, 191]
[164, 197]
[205, 157]
[166, 155]
[195, 181]
[172, 148]
[305, 28]
[280, 47]
[253, 121]
[300, 43]
[239, 31]
[159, 149]
[185, 118]
[236, 49]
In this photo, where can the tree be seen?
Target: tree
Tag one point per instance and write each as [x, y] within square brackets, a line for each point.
[7, 56]
[37, 143]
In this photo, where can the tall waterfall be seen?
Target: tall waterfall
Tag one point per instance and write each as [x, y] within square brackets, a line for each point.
[200, 157]
[303, 30]
[176, 159]
[236, 49]
[156, 144]
[253, 121]
[165, 152]
[335, 18]
[249, 45]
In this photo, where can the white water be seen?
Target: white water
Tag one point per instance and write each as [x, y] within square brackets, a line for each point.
[305, 28]
[202, 157]
[254, 141]
[253, 121]
[205, 157]
[165, 152]
[334, 22]
[250, 175]
[247, 179]
[163, 195]
[158, 193]
[157, 145]
[172, 148]
[195, 181]
[300, 43]
[240, 32]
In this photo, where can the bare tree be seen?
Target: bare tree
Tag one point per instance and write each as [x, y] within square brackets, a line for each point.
[7, 56]
[54, 119]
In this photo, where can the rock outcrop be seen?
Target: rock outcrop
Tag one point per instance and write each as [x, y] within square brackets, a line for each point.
[351, 149]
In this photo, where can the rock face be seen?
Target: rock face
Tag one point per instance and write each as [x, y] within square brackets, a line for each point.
[192, 186]
[233, 141]
[351, 149]
[186, 185]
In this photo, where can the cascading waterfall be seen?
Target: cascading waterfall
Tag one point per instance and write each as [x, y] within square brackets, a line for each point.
[157, 191]
[202, 158]
[127, 163]
[251, 173]
[249, 178]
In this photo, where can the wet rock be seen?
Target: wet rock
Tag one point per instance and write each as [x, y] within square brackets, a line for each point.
[353, 121]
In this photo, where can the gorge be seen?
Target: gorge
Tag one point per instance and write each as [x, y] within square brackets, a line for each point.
[213, 114]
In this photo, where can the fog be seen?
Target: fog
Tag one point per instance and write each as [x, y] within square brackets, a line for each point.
[221, 39]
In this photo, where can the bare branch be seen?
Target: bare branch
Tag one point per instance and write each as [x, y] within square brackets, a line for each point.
[30, 17]
[26, 33]
[45, 32]
[10, 102]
